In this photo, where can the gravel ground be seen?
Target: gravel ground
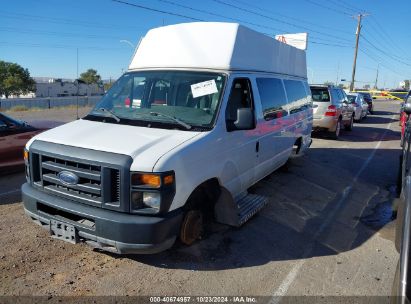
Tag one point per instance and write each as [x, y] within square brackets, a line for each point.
[55, 114]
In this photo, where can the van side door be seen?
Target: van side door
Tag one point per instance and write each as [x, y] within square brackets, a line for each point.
[273, 120]
[239, 146]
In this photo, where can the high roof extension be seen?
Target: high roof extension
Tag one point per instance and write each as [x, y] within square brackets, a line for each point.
[217, 45]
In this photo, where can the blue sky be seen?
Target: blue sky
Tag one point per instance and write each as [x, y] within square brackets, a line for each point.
[43, 35]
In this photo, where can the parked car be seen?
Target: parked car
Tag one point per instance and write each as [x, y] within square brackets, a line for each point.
[360, 106]
[14, 134]
[331, 110]
[404, 116]
[368, 99]
[175, 143]
[401, 292]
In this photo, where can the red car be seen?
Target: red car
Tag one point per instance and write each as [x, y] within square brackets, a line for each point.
[14, 135]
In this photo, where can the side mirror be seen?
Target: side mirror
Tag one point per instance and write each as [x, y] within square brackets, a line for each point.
[407, 108]
[245, 119]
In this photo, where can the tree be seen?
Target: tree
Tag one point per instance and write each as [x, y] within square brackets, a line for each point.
[14, 79]
[107, 86]
[90, 77]
[328, 83]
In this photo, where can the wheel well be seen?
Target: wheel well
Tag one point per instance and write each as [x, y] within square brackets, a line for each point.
[204, 197]
[297, 145]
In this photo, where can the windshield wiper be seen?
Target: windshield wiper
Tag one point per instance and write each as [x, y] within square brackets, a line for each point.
[181, 123]
[108, 113]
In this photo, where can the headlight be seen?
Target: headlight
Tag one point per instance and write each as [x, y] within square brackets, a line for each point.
[151, 192]
[142, 200]
[152, 199]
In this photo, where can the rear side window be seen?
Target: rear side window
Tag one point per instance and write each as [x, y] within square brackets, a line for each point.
[273, 99]
[297, 96]
[320, 94]
[352, 98]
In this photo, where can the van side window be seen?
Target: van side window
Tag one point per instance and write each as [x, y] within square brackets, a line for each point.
[298, 99]
[240, 97]
[273, 99]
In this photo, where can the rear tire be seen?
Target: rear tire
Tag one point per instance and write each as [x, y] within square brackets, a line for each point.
[336, 133]
[350, 126]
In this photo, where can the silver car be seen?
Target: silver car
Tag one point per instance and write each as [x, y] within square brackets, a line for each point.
[331, 110]
[359, 104]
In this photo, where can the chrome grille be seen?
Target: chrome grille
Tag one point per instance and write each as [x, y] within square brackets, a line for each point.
[89, 188]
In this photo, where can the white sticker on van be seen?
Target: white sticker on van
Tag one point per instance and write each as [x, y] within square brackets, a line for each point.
[204, 88]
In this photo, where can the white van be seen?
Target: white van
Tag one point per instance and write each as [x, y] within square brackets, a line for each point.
[205, 111]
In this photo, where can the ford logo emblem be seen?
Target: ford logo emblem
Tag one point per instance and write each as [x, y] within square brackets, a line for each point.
[68, 178]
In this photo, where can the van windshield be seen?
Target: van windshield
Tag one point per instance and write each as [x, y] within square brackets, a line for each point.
[165, 99]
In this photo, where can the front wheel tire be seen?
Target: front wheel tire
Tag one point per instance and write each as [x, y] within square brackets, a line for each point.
[191, 227]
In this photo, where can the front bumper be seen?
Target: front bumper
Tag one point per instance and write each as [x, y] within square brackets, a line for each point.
[108, 230]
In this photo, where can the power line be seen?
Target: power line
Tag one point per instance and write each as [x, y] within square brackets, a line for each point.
[63, 34]
[388, 36]
[329, 8]
[277, 20]
[157, 10]
[54, 20]
[339, 3]
[58, 46]
[376, 59]
[354, 8]
[222, 16]
[265, 10]
[385, 53]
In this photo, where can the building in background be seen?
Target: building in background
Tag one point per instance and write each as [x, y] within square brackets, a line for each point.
[57, 87]
[63, 88]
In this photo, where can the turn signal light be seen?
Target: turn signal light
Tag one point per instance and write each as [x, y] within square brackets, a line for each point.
[150, 180]
[168, 180]
[26, 155]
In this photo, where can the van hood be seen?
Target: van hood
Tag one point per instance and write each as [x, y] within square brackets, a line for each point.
[144, 145]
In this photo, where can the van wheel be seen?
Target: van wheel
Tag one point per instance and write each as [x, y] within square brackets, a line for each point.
[350, 125]
[336, 133]
[192, 227]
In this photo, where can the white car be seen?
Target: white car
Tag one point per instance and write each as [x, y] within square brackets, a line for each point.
[205, 111]
[359, 104]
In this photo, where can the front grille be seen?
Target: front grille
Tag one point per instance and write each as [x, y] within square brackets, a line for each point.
[91, 178]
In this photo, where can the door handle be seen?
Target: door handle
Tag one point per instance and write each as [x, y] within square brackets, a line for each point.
[257, 146]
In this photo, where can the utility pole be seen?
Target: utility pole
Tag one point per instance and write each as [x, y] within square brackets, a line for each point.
[77, 87]
[338, 73]
[359, 17]
[376, 78]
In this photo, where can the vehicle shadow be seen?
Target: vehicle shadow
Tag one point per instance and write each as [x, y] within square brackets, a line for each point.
[10, 188]
[312, 212]
[369, 134]
[377, 120]
[383, 113]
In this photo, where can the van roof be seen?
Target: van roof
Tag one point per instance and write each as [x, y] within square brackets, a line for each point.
[217, 45]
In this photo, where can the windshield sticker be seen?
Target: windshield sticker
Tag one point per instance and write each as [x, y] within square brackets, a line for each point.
[204, 88]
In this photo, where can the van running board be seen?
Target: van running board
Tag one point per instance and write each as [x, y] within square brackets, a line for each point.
[237, 213]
